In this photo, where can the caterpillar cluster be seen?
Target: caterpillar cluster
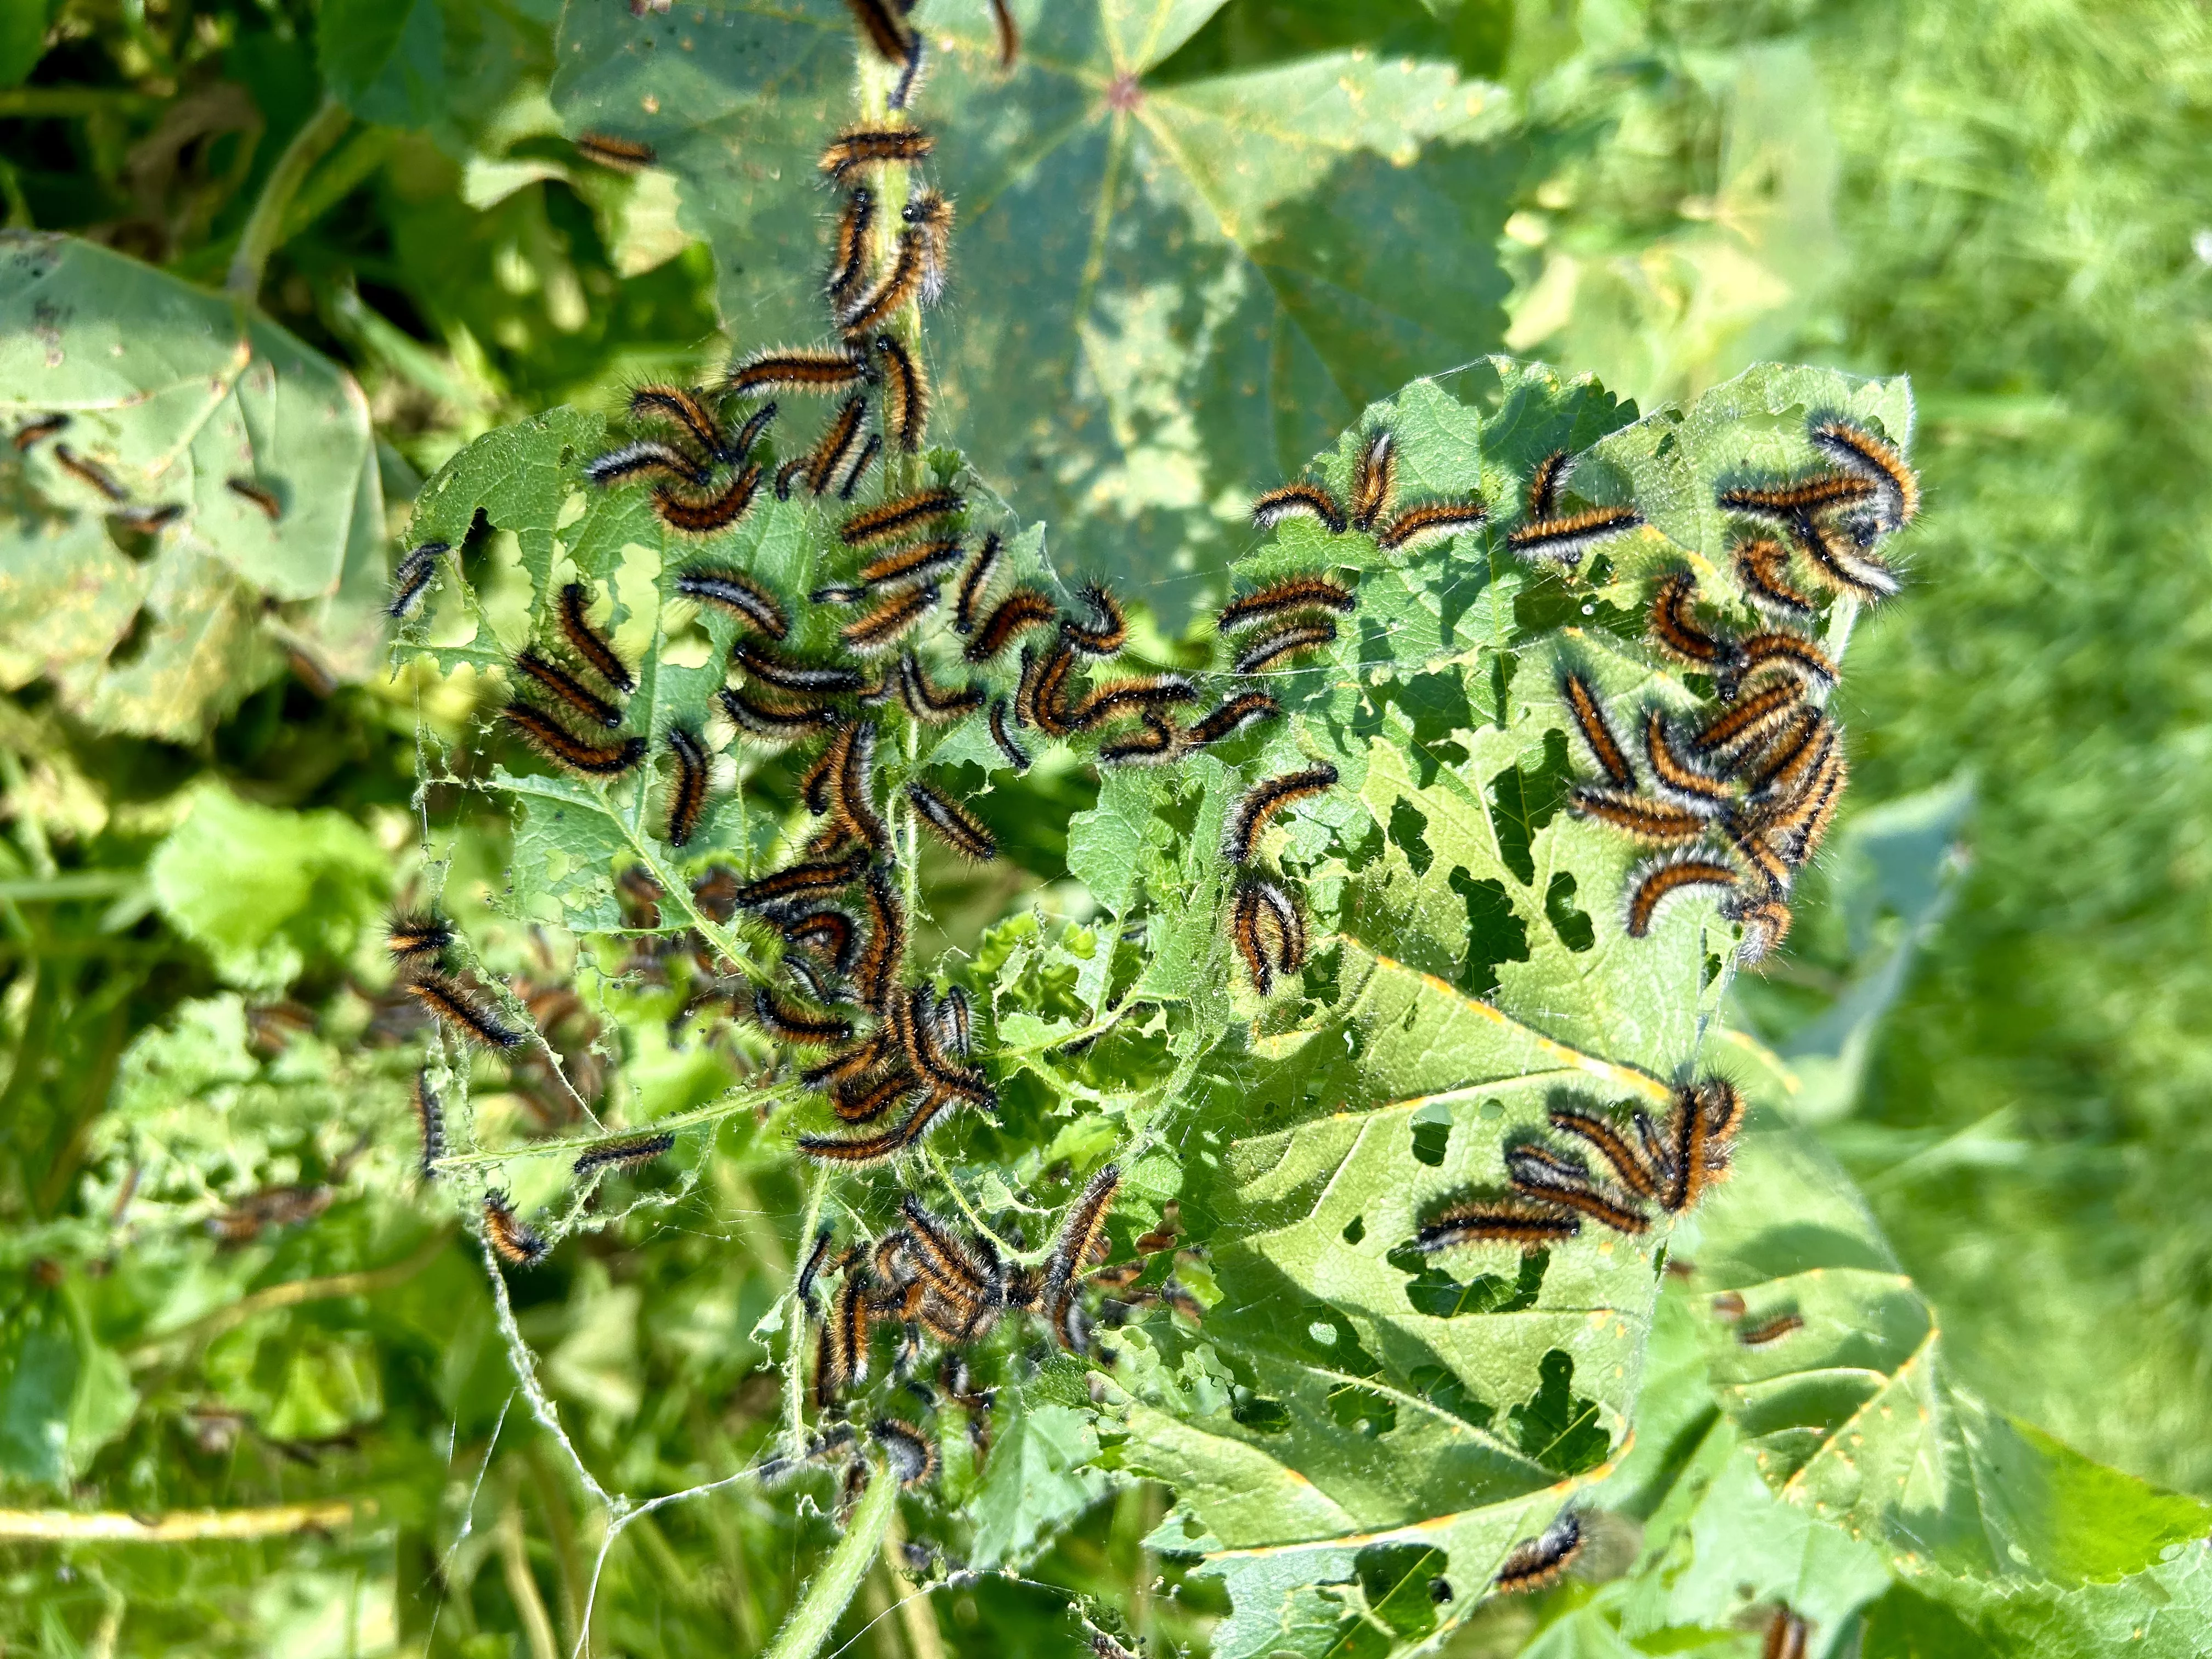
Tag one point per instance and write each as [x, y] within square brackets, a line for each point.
[420, 944]
[1740, 795]
[940, 1286]
[1668, 1165]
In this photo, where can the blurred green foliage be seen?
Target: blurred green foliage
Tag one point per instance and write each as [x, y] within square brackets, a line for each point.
[1996, 1008]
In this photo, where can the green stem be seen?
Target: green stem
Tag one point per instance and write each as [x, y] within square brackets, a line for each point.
[795, 1353]
[74, 101]
[817, 1614]
[264, 230]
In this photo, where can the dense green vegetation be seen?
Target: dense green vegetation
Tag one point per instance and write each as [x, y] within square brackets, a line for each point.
[1988, 1012]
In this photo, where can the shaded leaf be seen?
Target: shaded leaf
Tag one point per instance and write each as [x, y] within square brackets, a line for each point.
[173, 394]
[1169, 294]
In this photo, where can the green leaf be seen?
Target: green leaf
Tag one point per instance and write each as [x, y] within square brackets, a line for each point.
[1853, 1421]
[1478, 969]
[22, 39]
[1168, 294]
[173, 393]
[63, 1394]
[262, 890]
[1037, 1479]
[384, 58]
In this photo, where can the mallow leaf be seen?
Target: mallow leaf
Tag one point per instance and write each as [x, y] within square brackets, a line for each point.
[1471, 969]
[1828, 1366]
[1168, 295]
[209, 503]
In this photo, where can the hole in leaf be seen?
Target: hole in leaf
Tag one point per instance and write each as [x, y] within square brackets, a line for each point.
[1556, 1427]
[1352, 1407]
[1261, 1416]
[1572, 926]
[1522, 801]
[1494, 933]
[1433, 1291]
[1432, 1134]
[1712, 969]
[1407, 825]
[1395, 1579]
[1447, 1393]
[1355, 1229]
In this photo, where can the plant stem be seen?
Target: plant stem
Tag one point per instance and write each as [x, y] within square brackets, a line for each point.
[184, 1527]
[522, 1584]
[290, 1294]
[264, 230]
[794, 1362]
[816, 1616]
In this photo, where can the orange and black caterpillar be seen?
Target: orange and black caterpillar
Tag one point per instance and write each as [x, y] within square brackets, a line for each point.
[453, 1003]
[803, 881]
[1497, 1221]
[1252, 811]
[1583, 703]
[898, 287]
[1285, 598]
[849, 257]
[1664, 823]
[1020, 611]
[1566, 539]
[906, 393]
[868, 146]
[1762, 570]
[587, 642]
[1896, 487]
[1373, 478]
[680, 407]
[974, 585]
[564, 748]
[1652, 885]
[898, 517]
[1263, 650]
[707, 515]
[835, 443]
[262, 497]
[558, 682]
[772, 721]
[1537, 1563]
[514, 1239]
[1300, 498]
[1234, 715]
[1429, 519]
[687, 790]
[953, 823]
[808, 679]
[622, 155]
[1108, 630]
[739, 595]
[910, 562]
[876, 631]
[631, 1153]
[648, 458]
[929, 705]
[416, 937]
[799, 1027]
[871, 1149]
[817, 372]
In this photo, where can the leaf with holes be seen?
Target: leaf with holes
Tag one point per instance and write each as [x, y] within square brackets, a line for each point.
[1167, 293]
[207, 506]
[1471, 970]
[1829, 1372]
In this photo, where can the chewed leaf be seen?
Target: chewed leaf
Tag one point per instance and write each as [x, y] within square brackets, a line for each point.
[194, 494]
[1474, 971]
[1168, 292]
